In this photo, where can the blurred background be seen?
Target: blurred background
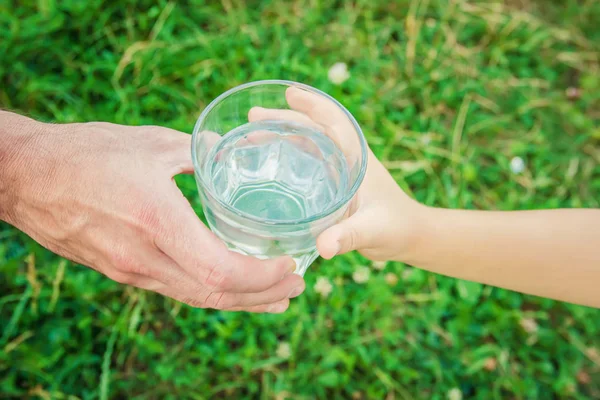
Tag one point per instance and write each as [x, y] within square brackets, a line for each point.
[482, 105]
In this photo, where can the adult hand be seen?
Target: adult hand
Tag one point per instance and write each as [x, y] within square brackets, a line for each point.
[103, 196]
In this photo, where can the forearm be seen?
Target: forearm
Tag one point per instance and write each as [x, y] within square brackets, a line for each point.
[16, 136]
[553, 253]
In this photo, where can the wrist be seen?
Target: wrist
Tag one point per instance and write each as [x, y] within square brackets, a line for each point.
[417, 231]
[18, 134]
[434, 229]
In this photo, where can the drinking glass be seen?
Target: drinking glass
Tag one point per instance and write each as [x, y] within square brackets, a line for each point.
[276, 163]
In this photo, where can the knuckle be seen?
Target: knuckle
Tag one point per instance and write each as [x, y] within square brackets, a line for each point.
[161, 138]
[218, 277]
[122, 278]
[217, 300]
[120, 259]
[137, 268]
[126, 263]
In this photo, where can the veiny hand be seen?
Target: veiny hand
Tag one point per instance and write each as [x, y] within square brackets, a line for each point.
[103, 195]
[374, 226]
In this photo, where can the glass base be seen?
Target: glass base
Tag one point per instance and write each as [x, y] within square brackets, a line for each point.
[303, 261]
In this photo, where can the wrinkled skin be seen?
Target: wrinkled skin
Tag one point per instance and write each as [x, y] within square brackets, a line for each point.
[103, 196]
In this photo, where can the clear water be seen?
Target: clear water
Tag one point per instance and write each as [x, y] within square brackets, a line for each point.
[278, 171]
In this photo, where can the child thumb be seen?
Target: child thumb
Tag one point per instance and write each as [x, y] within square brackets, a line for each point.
[346, 236]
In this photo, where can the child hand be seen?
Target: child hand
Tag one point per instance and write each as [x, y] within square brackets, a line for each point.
[381, 219]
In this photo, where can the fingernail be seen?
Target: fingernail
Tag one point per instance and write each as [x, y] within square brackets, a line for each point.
[275, 308]
[295, 292]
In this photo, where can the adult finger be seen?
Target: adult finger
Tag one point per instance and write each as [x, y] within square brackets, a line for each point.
[135, 280]
[277, 306]
[290, 287]
[148, 268]
[184, 238]
[205, 141]
[273, 308]
[193, 293]
[173, 147]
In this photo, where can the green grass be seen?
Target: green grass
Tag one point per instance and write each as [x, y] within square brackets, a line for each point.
[447, 93]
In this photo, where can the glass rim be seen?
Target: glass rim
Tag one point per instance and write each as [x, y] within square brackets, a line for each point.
[331, 209]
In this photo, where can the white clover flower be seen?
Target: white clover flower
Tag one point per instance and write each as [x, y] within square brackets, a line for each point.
[361, 275]
[517, 165]
[454, 394]
[323, 286]
[425, 140]
[338, 73]
[529, 325]
[391, 278]
[284, 350]
[379, 265]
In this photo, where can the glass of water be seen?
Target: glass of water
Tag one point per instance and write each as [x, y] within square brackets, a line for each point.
[276, 163]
